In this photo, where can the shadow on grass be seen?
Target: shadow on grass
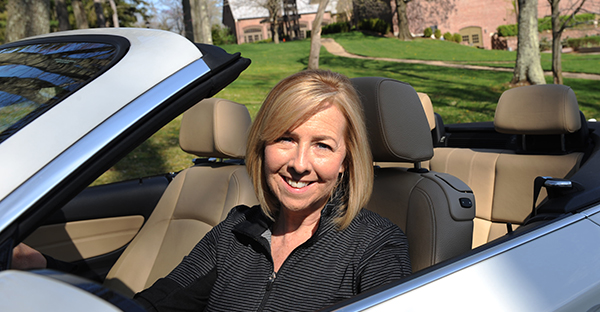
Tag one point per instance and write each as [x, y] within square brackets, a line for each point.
[477, 91]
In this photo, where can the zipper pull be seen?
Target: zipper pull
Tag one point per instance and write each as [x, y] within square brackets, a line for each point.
[271, 280]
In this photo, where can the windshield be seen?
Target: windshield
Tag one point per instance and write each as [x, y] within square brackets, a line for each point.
[35, 77]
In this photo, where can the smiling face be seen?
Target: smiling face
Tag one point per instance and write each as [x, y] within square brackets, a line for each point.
[302, 166]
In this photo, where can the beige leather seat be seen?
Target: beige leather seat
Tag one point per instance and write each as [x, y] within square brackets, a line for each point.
[547, 123]
[425, 204]
[195, 201]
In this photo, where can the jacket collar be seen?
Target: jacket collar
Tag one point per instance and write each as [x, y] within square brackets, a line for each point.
[257, 223]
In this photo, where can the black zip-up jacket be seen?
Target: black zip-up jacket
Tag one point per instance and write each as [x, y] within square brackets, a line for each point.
[231, 268]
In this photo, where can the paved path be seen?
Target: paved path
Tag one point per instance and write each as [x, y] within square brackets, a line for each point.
[336, 49]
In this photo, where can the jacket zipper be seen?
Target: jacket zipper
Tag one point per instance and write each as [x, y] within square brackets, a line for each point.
[274, 274]
[268, 292]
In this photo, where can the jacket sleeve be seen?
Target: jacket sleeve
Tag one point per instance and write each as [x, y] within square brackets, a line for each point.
[188, 286]
[385, 260]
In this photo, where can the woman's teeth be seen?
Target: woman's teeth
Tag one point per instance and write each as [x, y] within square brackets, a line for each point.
[296, 184]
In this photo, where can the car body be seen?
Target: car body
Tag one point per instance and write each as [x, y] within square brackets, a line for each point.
[50, 152]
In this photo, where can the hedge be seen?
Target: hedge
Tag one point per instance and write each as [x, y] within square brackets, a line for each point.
[374, 24]
[334, 28]
[546, 24]
[585, 42]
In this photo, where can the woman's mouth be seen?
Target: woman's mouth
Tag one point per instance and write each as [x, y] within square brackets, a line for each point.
[296, 184]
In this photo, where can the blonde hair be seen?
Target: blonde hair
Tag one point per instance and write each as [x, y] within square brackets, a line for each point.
[293, 101]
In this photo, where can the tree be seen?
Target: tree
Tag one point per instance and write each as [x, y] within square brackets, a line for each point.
[558, 26]
[315, 37]
[62, 14]
[402, 19]
[27, 18]
[273, 7]
[100, 20]
[169, 16]
[528, 68]
[115, 13]
[80, 15]
[200, 21]
[188, 26]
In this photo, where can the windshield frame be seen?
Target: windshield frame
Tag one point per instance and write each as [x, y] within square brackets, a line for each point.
[120, 44]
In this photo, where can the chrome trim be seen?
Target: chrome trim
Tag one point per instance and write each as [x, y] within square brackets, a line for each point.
[27, 194]
[423, 280]
[591, 211]
[593, 214]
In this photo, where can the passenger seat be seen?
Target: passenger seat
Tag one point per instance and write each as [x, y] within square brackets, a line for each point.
[435, 210]
[551, 134]
[196, 200]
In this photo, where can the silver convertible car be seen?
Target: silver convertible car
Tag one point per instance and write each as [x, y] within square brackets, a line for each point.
[499, 215]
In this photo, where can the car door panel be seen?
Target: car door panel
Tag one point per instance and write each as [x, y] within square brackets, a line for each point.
[79, 240]
[94, 228]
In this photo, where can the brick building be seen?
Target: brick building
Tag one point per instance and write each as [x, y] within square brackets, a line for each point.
[249, 22]
[475, 20]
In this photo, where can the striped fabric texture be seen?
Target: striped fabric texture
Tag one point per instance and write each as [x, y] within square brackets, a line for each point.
[231, 268]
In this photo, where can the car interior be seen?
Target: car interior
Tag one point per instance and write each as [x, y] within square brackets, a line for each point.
[451, 188]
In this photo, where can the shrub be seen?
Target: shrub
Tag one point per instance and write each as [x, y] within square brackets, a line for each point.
[374, 24]
[334, 28]
[508, 30]
[545, 23]
[437, 33]
[222, 35]
[457, 38]
[585, 42]
[447, 36]
[427, 32]
[545, 44]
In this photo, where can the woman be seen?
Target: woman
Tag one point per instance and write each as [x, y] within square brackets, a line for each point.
[308, 244]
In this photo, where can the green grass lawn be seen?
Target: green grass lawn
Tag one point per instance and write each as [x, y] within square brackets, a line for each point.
[438, 50]
[458, 95]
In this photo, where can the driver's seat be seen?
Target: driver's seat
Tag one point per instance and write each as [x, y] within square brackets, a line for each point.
[196, 200]
[435, 210]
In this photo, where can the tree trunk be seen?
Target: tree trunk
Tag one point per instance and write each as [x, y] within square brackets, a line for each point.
[62, 15]
[188, 26]
[27, 18]
[275, 29]
[315, 37]
[403, 31]
[528, 68]
[115, 14]
[204, 22]
[557, 29]
[394, 9]
[100, 20]
[196, 21]
[556, 45]
[81, 21]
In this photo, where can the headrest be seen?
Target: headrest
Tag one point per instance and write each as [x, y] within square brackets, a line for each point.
[396, 123]
[215, 128]
[428, 108]
[538, 109]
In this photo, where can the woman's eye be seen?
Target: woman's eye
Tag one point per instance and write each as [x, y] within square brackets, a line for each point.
[323, 145]
[284, 139]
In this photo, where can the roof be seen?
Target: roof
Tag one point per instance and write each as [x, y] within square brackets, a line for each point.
[247, 9]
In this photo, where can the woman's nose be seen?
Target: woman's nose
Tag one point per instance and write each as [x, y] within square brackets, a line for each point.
[300, 161]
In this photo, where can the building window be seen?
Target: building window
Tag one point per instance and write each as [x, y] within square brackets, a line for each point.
[475, 38]
[302, 32]
[253, 34]
[465, 38]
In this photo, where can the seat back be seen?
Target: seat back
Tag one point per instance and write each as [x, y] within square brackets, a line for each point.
[426, 205]
[195, 201]
[550, 134]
